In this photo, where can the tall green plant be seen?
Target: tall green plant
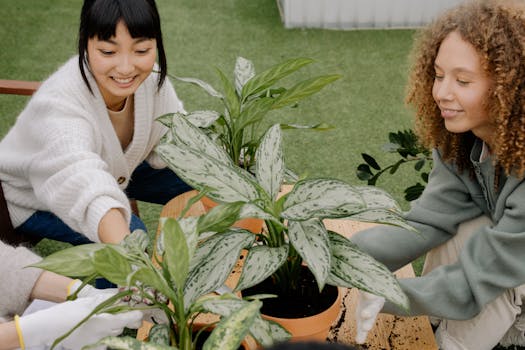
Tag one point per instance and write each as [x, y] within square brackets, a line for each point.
[189, 270]
[247, 99]
[295, 229]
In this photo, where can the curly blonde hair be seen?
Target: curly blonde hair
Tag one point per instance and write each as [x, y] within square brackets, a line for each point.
[496, 29]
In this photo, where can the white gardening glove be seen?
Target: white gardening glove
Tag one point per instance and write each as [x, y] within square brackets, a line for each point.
[88, 290]
[368, 307]
[43, 327]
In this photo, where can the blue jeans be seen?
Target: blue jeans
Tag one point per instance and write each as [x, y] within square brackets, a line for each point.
[146, 184]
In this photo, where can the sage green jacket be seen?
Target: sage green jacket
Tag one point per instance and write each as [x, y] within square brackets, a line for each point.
[492, 260]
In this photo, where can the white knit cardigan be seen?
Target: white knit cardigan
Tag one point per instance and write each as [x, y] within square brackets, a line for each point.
[63, 155]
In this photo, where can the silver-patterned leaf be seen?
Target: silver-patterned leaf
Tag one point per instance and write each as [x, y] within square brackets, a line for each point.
[354, 268]
[269, 167]
[185, 133]
[376, 198]
[250, 210]
[211, 273]
[176, 256]
[310, 240]
[322, 198]
[226, 183]
[204, 85]
[383, 216]
[261, 262]
[231, 330]
[127, 343]
[265, 332]
[243, 71]
[203, 119]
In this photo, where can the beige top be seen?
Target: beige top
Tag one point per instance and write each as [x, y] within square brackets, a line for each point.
[123, 122]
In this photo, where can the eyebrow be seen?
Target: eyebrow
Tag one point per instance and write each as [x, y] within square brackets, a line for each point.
[136, 41]
[458, 69]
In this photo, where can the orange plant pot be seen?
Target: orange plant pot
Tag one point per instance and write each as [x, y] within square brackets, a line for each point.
[251, 224]
[311, 328]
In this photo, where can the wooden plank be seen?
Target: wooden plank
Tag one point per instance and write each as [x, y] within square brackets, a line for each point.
[18, 87]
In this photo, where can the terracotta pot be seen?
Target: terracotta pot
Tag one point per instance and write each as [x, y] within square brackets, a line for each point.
[251, 224]
[311, 328]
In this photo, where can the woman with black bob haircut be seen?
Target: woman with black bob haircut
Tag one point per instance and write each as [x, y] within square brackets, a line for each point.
[141, 18]
[84, 144]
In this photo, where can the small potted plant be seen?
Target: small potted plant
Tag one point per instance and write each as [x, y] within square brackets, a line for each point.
[295, 234]
[178, 282]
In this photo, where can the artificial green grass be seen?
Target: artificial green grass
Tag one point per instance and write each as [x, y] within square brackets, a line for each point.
[201, 36]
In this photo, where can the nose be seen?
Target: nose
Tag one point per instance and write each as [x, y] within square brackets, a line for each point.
[443, 90]
[125, 65]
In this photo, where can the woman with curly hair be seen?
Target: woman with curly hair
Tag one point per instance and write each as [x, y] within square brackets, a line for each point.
[467, 86]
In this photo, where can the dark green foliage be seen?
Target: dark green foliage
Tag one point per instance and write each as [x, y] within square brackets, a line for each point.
[406, 145]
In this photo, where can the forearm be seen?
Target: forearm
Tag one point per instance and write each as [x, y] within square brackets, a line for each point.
[51, 286]
[8, 336]
[113, 227]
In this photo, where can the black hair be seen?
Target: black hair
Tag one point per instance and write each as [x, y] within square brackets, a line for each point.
[99, 18]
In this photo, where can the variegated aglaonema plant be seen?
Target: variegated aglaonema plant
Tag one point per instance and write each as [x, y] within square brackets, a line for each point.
[177, 284]
[295, 231]
[247, 99]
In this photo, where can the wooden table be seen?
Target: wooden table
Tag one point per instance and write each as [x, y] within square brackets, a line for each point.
[389, 332]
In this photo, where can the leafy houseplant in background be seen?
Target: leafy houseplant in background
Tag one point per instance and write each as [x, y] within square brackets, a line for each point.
[295, 231]
[248, 99]
[185, 275]
[406, 145]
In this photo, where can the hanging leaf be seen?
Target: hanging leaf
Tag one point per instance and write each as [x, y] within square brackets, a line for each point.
[260, 263]
[310, 240]
[73, 262]
[352, 268]
[204, 85]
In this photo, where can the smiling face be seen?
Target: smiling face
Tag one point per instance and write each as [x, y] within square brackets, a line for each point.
[461, 88]
[120, 64]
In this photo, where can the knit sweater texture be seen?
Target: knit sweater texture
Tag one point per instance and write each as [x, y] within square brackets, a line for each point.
[17, 279]
[491, 261]
[63, 156]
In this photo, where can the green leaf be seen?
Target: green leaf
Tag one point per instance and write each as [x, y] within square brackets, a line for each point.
[230, 99]
[127, 343]
[370, 161]
[304, 89]
[322, 198]
[260, 263]
[315, 127]
[376, 198]
[153, 279]
[112, 265]
[231, 330]
[382, 216]
[264, 80]
[226, 183]
[352, 268]
[253, 113]
[310, 240]
[137, 241]
[220, 217]
[204, 85]
[244, 71]
[269, 168]
[212, 271]
[363, 172]
[73, 262]
[176, 255]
